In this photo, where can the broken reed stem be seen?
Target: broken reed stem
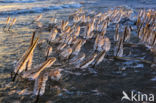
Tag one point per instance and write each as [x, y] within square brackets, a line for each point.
[131, 44]
[131, 58]
[38, 96]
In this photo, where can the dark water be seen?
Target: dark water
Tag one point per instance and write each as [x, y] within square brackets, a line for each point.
[102, 84]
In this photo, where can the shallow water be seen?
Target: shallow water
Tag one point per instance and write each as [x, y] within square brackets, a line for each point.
[102, 84]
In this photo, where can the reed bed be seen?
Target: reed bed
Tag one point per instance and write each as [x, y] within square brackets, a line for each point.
[81, 42]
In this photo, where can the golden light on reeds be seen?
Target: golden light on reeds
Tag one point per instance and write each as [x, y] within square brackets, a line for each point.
[89, 61]
[7, 22]
[38, 18]
[47, 63]
[21, 66]
[10, 24]
[99, 57]
[81, 42]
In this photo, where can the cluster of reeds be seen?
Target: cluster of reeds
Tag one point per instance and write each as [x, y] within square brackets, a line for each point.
[67, 42]
[146, 27]
[9, 24]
